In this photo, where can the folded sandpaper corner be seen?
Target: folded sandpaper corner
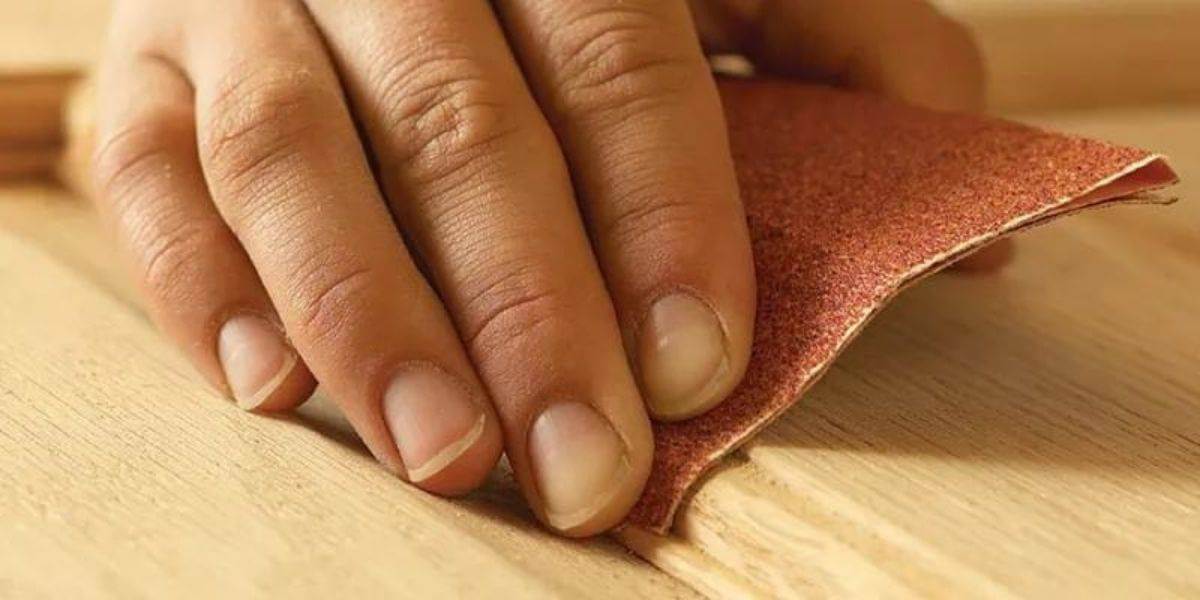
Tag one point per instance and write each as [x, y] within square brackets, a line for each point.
[850, 198]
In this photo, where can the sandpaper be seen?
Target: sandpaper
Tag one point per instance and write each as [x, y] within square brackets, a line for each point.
[850, 198]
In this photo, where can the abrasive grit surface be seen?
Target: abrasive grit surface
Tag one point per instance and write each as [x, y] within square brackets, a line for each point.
[849, 198]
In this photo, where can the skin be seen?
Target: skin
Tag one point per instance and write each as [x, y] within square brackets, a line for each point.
[509, 227]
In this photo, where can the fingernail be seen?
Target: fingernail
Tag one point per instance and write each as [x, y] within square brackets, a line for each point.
[255, 359]
[682, 359]
[433, 419]
[578, 463]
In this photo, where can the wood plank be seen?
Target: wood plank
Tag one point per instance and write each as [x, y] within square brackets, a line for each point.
[1030, 434]
[1034, 433]
[123, 475]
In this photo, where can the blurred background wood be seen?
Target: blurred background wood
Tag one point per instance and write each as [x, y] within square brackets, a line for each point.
[1041, 53]
[40, 36]
[1086, 53]
[1032, 434]
[125, 476]
[31, 122]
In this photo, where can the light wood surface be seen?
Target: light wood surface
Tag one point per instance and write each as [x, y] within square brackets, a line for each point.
[123, 475]
[1020, 435]
[1032, 434]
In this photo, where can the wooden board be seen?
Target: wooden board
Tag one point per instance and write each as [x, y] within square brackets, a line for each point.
[1027, 434]
[124, 475]
[1031, 434]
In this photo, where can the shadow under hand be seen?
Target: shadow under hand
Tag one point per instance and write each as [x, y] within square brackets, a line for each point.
[977, 369]
[498, 500]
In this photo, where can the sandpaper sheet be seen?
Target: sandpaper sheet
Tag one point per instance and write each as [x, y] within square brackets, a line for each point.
[849, 199]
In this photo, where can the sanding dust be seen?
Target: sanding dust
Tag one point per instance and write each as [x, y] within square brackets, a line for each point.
[850, 198]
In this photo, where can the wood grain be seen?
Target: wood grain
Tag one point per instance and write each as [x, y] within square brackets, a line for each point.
[123, 475]
[1033, 434]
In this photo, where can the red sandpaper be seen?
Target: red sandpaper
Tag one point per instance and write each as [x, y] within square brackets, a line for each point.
[849, 199]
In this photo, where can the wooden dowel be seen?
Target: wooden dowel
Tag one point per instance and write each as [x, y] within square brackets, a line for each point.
[33, 126]
[39, 162]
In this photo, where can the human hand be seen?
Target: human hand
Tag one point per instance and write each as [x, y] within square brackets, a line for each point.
[482, 227]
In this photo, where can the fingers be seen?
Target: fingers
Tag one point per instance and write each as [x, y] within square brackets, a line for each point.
[199, 286]
[288, 174]
[628, 91]
[477, 181]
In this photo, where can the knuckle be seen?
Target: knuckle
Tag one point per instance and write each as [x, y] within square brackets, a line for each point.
[256, 118]
[662, 222]
[132, 170]
[328, 299]
[514, 309]
[167, 249]
[130, 158]
[439, 110]
[615, 57]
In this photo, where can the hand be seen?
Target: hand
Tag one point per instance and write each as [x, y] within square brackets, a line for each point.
[481, 226]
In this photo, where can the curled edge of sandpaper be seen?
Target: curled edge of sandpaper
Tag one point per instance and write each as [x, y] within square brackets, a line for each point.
[1001, 177]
